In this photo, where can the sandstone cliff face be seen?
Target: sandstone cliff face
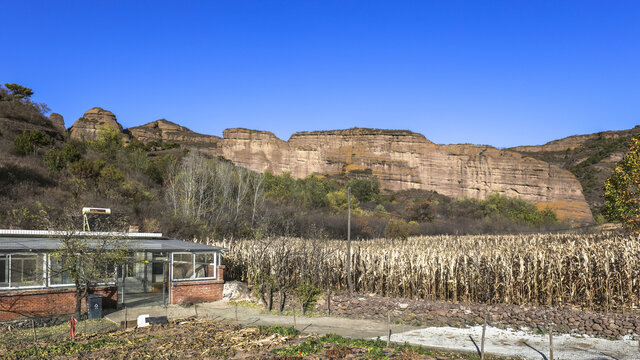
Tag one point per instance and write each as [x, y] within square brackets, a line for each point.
[576, 141]
[399, 159]
[58, 122]
[406, 160]
[167, 131]
[87, 126]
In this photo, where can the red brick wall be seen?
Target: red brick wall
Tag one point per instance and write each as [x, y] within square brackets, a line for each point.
[198, 290]
[40, 302]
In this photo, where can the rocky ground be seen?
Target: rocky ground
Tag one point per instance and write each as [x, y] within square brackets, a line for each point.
[569, 320]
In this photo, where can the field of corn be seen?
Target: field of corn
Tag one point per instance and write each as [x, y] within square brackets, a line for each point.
[598, 271]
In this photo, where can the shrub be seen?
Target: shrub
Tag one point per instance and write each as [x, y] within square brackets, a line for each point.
[29, 142]
[57, 159]
[307, 294]
[367, 189]
[397, 229]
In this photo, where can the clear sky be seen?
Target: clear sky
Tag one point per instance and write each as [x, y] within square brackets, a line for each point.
[503, 73]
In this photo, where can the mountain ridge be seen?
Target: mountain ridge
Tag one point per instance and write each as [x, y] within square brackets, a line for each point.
[400, 159]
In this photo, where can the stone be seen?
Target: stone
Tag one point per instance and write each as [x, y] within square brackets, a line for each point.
[86, 127]
[400, 159]
[235, 290]
[58, 122]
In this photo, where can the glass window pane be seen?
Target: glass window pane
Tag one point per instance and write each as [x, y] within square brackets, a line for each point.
[27, 270]
[182, 266]
[204, 265]
[59, 271]
[4, 271]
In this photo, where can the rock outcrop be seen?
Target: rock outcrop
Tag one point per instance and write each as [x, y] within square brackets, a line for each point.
[575, 141]
[400, 159]
[406, 160]
[86, 127]
[58, 122]
[166, 131]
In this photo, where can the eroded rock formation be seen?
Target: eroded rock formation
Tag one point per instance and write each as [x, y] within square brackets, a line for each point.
[58, 122]
[407, 160]
[400, 159]
[86, 127]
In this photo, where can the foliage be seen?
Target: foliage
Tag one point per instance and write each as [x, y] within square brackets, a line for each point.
[58, 159]
[337, 201]
[282, 330]
[307, 294]
[108, 142]
[15, 103]
[622, 189]
[365, 189]
[19, 91]
[397, 229]
[30, 141]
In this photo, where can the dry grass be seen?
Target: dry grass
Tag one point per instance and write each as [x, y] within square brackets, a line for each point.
[598, 271]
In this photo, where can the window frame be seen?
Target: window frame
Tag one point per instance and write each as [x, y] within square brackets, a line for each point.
[43, 283]
[215, 258]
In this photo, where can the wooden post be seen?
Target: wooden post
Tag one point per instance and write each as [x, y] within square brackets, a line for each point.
[484, 329]
[33, 327]
[329, 303]
[388, 328]
[550, 342]
[294, 317]
[349, 280]
[236, 312]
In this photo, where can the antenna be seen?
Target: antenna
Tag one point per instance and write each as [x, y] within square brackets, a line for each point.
[92, 210]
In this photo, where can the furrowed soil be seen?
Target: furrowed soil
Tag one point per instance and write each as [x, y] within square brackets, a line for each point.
[204, 339]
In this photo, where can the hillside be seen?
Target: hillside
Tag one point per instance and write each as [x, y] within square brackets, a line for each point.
[254, 183]
[589, 157]
[400, 159]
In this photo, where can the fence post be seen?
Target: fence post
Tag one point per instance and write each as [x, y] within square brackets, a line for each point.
[484, 329]
[33, 327]
[388, 328]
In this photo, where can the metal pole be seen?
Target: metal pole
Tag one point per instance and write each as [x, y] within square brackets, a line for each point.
[124, 281]
[349, 280]
[164, 282]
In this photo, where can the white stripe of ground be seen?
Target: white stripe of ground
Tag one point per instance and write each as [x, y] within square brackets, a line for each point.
[522, 344]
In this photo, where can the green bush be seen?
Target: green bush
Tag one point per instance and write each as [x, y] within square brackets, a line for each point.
[57, 159]
[30, 141]
[397, 229]
[307, 294]
[367, 189]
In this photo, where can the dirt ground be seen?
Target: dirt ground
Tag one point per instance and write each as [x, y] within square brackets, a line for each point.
[208, 339]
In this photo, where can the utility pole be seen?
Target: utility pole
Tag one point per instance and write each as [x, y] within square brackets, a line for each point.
[349, 280]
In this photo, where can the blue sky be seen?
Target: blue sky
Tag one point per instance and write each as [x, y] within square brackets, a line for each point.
[503, 73]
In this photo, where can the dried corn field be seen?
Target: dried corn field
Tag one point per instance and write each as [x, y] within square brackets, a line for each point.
[599, 271]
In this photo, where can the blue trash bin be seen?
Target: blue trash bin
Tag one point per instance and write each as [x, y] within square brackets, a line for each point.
[94, 306]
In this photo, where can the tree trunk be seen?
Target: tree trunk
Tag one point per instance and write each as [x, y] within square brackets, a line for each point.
[283, 299]
[81, 292]
[270, 298]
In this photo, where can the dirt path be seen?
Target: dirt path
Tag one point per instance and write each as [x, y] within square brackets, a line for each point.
[499, 342]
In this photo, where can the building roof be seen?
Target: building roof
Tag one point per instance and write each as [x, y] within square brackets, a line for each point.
[33, 243]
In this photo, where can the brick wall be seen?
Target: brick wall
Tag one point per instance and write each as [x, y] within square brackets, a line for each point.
[40, 302]
[198, 290]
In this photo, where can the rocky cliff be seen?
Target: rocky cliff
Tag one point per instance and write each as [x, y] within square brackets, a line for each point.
[407, 160]
[400, 159]
[590, 157]
[86, 127]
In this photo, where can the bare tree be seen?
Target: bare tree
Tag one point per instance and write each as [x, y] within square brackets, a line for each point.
[87, 259]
